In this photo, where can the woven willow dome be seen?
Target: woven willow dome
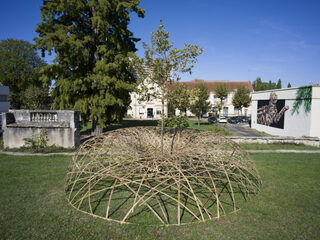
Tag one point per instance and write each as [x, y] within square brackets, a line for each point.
[123, 176]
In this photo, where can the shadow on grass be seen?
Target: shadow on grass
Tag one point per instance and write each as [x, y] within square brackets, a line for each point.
[86, 130]
[161, 202]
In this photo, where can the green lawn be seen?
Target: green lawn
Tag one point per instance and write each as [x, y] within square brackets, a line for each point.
[204, 125]
[33, 204]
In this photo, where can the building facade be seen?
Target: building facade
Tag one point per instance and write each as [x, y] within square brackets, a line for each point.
[4, 103]
[293, 112]
[151, 108]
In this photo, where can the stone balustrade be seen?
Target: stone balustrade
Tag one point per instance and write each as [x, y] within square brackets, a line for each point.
[62, 127]
[43, 117]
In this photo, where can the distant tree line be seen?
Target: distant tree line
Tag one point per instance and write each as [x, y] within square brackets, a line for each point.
[196, 100]
[258, 85]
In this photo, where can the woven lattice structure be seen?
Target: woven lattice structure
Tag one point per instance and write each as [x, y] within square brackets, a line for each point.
[123, 176]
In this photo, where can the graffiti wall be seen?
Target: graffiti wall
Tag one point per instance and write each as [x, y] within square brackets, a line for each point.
[293, 112]
[271, 112]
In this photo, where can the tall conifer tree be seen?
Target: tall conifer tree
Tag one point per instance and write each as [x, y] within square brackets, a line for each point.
[279, 84]
[93, 45]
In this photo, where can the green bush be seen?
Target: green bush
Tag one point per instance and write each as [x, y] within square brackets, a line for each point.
[175, 122]
[39, 141]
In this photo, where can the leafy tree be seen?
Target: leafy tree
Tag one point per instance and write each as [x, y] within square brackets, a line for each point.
[175, 122]
[221, 91]
[279, 85]
[161, 66]
[19, 68]
[258, 85]
[241, 98]
[35, 97]
[199, 103]
[179, 98]
[289, 85]
[271, 85]
[93, 47]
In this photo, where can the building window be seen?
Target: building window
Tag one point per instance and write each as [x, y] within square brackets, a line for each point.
[158, 112]
[225, 111]
[215, 110]
[3, 98]
[236, 111]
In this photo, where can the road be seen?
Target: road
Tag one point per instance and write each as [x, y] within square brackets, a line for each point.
[242, 130]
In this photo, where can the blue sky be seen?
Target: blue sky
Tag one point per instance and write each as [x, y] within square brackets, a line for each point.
[242, 39]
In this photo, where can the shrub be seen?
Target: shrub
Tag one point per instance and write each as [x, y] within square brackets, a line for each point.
[175, 122]
[39, 141]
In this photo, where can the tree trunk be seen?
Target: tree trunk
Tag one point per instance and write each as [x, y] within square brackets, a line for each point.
[199, 120]
[162, 120]
[95, 130]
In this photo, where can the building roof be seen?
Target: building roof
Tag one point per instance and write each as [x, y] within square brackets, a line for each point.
[213, 84]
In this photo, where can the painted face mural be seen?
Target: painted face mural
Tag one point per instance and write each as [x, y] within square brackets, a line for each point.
[271, 112]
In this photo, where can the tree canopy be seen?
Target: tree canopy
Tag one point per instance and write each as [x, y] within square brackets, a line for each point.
[241, 98]
[258, 85]
[199, 103]
[93, 47]
[179, 97]
[35, 97]
[19, 68]
[221, 91]
[279, 84]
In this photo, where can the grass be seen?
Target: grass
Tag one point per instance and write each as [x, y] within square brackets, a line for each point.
[277, 146]
[204, 125]
[48, 149]
[208, 127]
[33, 204]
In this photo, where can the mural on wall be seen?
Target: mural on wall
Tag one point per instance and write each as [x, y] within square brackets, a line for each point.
[303, 95]
[271, 112]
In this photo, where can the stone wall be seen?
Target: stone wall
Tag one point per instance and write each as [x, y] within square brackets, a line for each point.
[62, 127]
[315, 142]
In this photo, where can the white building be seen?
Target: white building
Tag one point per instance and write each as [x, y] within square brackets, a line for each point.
[283, 112]
[152, 108]
[4, 104]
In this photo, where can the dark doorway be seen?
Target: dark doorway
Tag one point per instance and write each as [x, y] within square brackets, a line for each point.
[150, 112]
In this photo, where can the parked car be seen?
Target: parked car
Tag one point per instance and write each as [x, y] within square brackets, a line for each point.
[244, 119]
[233, 120]
[212, 119]
[222, 120]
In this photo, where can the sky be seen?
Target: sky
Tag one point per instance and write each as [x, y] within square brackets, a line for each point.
[242, 39]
